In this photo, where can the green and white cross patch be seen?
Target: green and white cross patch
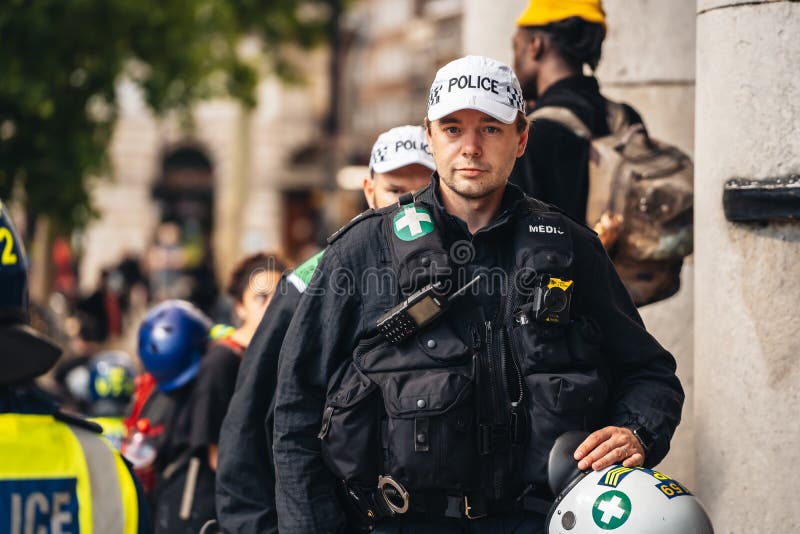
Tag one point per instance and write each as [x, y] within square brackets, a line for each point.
[611, 510]
[412, 223]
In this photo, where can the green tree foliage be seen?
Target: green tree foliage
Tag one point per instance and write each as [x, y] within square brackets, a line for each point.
[61, 59]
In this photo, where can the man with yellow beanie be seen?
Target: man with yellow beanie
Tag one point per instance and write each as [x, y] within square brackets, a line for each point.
[555, 40]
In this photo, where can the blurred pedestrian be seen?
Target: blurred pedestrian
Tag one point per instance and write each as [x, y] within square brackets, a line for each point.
[160, 443]
[165, 263]
[553, 42]
[593, 157]
[251, 286]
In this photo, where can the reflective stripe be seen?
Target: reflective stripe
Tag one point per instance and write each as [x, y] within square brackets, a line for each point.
[111, 480]
[41, 455]
[297, 282]
[130, 500]
[107, 516]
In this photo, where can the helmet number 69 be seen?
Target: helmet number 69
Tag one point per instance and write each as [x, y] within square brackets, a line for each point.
[671, 490]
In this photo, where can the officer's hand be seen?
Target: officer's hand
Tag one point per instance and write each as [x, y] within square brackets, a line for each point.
[607, 446]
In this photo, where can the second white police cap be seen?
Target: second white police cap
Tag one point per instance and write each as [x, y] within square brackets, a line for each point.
[401, 146]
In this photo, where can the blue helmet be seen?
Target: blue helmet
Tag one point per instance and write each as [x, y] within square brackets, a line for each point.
[172, 339]
[13, 272]
[111, 375]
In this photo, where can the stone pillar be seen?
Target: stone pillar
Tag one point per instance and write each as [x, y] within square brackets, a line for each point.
[747, 275]
[648, 61]
[489, 26]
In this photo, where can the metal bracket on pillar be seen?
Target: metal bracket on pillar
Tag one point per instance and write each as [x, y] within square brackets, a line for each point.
[770, 199]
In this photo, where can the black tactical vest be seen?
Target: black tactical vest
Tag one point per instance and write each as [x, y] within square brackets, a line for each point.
[439, 413]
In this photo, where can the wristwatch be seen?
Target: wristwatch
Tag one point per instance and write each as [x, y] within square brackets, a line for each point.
[644, 436]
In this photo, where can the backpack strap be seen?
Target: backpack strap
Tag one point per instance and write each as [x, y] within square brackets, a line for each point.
[616, 115]
[564, 117]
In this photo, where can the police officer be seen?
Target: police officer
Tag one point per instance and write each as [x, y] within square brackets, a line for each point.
[56, 474]
[400, 163]
[445, 342]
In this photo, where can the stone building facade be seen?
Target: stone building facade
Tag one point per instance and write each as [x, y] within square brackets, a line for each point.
[258, 160]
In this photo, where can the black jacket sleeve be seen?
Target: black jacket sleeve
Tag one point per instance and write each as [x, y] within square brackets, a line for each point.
[645, 390]
[322, 334]
[245, 486]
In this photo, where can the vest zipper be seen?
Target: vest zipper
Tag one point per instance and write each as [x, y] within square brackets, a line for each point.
[507, 355]
[514, 397]
[495, 375]
[492, 370]
[510, 365]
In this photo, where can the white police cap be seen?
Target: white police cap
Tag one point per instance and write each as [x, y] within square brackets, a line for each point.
[476, 82]
[401, 146]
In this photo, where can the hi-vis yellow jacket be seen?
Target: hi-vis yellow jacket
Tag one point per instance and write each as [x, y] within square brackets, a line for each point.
[59, 478]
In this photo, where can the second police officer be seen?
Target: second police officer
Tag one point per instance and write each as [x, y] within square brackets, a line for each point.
[445, 342]
[400, 163]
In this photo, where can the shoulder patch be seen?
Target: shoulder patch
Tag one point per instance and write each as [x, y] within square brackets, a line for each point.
[301, 276]
[77, 420]
[355, 220]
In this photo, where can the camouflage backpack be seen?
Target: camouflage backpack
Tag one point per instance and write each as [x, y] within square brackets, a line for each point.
[649, 184]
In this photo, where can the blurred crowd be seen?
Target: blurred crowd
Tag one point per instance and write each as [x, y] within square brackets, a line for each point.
[176, 265]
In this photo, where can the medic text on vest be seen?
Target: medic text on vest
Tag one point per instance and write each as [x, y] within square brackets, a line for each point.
[410, 144]
[544, 229]
[472, 82]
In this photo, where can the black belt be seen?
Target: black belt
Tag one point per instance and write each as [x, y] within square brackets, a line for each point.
[375, 504]
[476, 505]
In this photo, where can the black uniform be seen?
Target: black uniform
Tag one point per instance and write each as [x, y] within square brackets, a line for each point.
[245, 476]
[555, 165]
[448, 392]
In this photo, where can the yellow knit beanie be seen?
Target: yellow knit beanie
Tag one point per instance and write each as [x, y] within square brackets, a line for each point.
[543, 12]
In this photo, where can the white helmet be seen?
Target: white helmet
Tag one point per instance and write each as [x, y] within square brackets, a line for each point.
[626, 500]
